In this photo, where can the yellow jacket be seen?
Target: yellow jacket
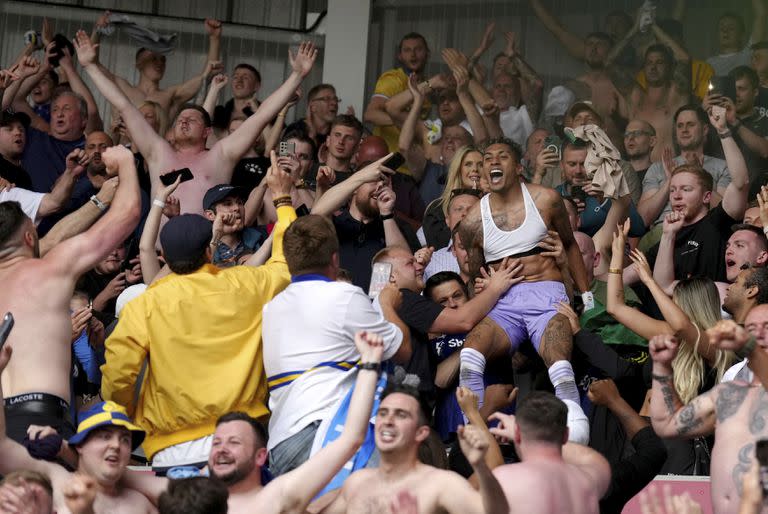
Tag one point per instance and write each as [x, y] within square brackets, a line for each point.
[201, 337]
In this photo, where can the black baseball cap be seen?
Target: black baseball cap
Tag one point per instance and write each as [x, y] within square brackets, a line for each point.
[185, 236]
[8, 116]
[217, 193]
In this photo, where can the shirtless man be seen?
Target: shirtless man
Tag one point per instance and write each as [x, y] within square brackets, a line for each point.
[401, 426]
[191, 129]
[104, 441]
[151, 67]
[566, 477]
[512, 221]
[239, 451]
[668, 90]
[735, 411]
[38, 292]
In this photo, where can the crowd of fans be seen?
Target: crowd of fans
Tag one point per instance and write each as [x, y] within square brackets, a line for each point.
[485, 296]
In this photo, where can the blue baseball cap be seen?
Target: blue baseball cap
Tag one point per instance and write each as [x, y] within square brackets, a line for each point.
[106, 414]
[185, 236]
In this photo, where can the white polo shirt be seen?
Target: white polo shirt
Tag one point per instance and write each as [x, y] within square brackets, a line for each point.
[311, 325]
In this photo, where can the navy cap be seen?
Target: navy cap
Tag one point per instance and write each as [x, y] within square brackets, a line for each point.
[218, 193]
[8, 116]
[185, 236]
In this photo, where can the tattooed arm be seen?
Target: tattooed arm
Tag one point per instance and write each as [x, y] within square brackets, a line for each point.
[470, 231]
[668, 415]
[559, 217]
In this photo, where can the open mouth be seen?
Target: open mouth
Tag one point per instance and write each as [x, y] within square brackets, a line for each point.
[729, 263]
[386, 436]
[496, 175]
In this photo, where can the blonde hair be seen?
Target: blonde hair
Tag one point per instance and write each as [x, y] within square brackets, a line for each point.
[162, 118]
[700, 300]
[453, 180]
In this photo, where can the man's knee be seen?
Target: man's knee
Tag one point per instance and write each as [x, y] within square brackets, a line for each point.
[557, 341]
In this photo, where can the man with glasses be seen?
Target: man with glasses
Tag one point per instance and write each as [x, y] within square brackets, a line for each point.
[322, 107]
[639, 142]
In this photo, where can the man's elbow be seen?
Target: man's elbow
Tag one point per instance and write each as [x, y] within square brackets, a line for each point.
[663, 427]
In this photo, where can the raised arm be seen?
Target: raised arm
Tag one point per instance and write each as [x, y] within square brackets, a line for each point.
[30, 72]
[146, 139]
[758, 20]
[729, 336]
[653, 201]
[293, 491]
[414, 155]
[735, 198]
[79, 87]
[604, 392]
[235, 145]
[150, 265]
[339, 194]
[633, 319]
[531, 86]
[184, 92]
[78, 221]
[572, 43]
[212, 97]
[474, 442]
[479, 134]
[668, 415]
[468, 401]
[81, 253]
[664, 267]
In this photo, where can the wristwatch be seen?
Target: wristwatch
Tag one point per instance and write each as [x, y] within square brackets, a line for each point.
[98, 203]
[370, 366]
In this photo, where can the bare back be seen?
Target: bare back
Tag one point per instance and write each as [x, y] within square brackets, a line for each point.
[606, 100]
[39, 299]
[547, 487]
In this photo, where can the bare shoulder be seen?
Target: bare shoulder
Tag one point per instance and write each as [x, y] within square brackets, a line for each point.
[544, 197]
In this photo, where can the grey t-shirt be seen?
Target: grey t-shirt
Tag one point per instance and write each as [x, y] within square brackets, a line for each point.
[655, 176]
[724, 63]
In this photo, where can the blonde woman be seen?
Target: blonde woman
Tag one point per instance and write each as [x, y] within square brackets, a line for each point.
[465, 172]
[693, 308]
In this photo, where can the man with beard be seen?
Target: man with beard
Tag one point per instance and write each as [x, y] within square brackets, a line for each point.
[667, 89]
[239, 454]
[369, 223]
[38, 388]
[639, 142]
[691, 129]
[192, 128]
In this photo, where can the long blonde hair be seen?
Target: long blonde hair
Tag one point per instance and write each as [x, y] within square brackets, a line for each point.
[162, 117]
[453, 180]
[700, 300]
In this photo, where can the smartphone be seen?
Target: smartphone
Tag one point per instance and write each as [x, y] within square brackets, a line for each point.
[287, 148]
[379, 278]
[553, 144]
[718, 110]
[170, 177]
[577, 193]
[394, 162]
[724, 85]
[761, 453]
[5, 328]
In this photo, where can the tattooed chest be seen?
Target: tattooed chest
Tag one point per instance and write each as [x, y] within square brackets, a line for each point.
[509, 220]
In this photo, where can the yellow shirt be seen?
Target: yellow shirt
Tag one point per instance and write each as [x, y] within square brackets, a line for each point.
[701, 73]
[390, 83]
[201, 337]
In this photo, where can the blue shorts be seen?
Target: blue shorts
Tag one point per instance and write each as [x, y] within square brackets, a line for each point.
[525, 310]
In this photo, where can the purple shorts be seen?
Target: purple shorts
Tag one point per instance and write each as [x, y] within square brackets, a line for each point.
[526, 308]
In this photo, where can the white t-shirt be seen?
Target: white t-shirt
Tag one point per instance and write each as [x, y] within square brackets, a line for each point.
[309, 323]
[724, 63]
[29, 201]
[738, 371]
[516, 124]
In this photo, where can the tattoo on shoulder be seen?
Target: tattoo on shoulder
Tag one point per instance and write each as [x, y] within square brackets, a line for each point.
[729, 399]
[688, 419]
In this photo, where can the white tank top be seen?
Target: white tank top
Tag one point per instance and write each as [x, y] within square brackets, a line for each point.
[498, 243]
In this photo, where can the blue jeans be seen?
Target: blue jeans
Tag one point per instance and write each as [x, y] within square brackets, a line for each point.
[294, 451]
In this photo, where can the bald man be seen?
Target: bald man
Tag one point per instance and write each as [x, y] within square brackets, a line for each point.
[409, 205]
[639, 142]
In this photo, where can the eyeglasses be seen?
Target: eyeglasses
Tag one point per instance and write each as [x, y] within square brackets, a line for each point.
[636, 133]
[328, 99]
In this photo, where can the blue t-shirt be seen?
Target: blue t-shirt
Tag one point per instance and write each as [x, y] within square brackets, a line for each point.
[448, 414]
[45, 158]
[594, 214]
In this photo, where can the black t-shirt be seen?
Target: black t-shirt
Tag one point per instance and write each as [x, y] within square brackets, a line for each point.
[700, 247]
[249, 172]
[15, 174]
[301, 126]
[359, 242]
[419, 313]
